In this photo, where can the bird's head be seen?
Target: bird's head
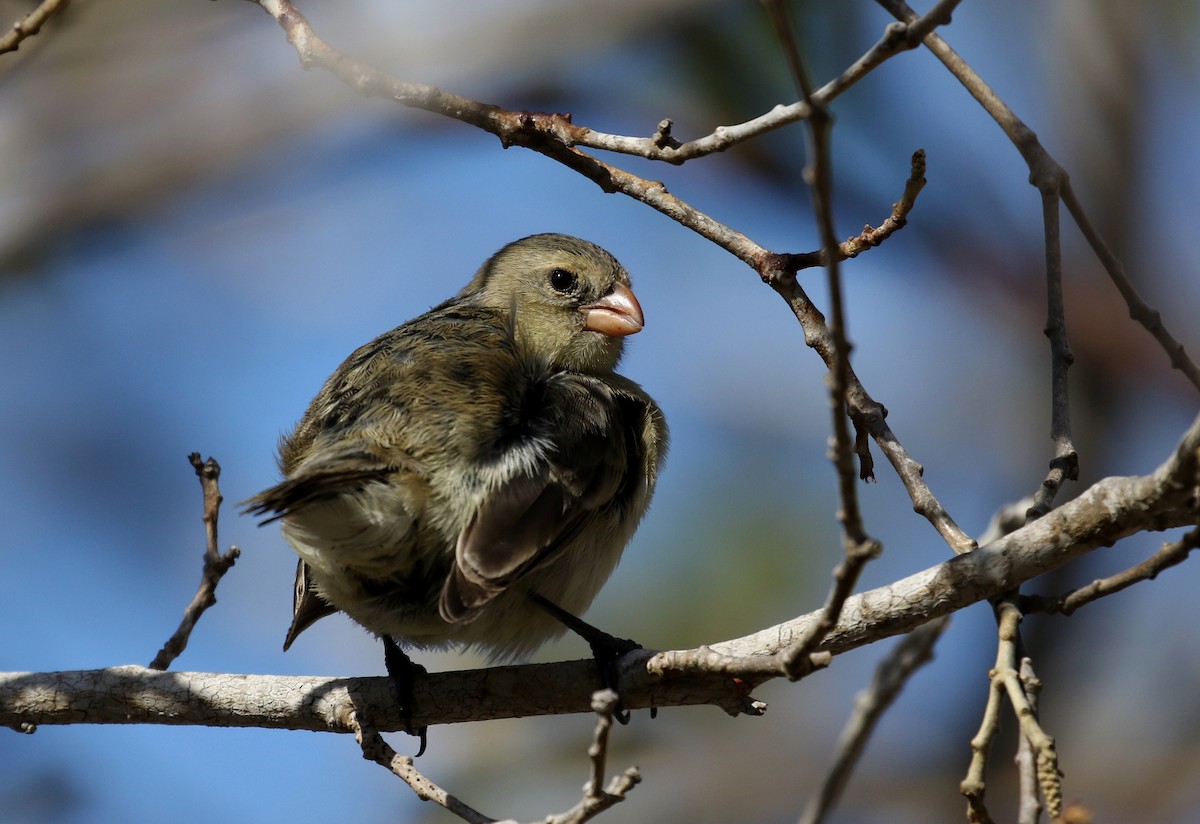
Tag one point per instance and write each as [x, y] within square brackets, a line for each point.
[569, 300]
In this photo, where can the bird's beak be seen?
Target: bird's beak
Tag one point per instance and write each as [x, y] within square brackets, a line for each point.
[617, 314]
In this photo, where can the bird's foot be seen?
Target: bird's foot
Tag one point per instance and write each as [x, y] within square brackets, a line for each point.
[402, 671]
[606, 649]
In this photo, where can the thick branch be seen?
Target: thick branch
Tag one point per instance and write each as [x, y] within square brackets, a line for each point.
[1106, 512]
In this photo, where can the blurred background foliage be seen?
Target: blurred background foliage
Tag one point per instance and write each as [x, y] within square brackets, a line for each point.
[194, 232]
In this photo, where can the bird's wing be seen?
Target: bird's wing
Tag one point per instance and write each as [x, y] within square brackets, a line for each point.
[308, 487]
[548, 496]
[314, 502]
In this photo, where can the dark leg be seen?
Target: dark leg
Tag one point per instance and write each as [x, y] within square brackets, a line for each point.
[402, 671]
[606, 649]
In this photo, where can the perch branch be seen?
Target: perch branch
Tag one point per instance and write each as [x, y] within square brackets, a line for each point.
[1101, 515]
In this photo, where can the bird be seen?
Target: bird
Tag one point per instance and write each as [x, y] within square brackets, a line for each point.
[472, 475]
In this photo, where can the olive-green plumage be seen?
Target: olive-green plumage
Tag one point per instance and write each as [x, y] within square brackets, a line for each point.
[482, 450]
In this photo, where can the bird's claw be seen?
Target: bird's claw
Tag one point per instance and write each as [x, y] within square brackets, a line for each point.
[606, 650]
[401, 670]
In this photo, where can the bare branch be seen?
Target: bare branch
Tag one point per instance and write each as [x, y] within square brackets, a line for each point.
[974, 786]
[1170, 554]
[552, 135]
[596, 798]
[897, 38]
[215, 564]
[868, 413]
[31, 24]
[1048, 175]
[1008, 672]
[1139, 310]
[1101, 515]
[1006, 681]
[859, 548]
[1029, 810]
[374, 748]
[1065, 464]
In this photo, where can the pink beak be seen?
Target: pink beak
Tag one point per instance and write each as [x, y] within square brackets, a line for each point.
[616, 314]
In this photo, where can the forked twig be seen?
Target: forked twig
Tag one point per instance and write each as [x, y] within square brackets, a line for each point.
[375, 748]
[215, 564]
[1005, 680]
[596, 798]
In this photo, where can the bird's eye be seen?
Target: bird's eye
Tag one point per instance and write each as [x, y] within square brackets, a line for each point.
[562, 281]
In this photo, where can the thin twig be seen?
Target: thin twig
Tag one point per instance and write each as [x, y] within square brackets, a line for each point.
[1029, 809]
[1065, 464]
[1045, 755]
[553, 135]
[891, 675]
[1139, 310]
[1005, 681]
[870, 237]
[896, 39]
[215, 564]
[974, 786]
[1035, 751]
[375, 748]
[1168, 555]
[859, 548]
[867, 413]
[1045, 171]
[31, 24]
[596, 798]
